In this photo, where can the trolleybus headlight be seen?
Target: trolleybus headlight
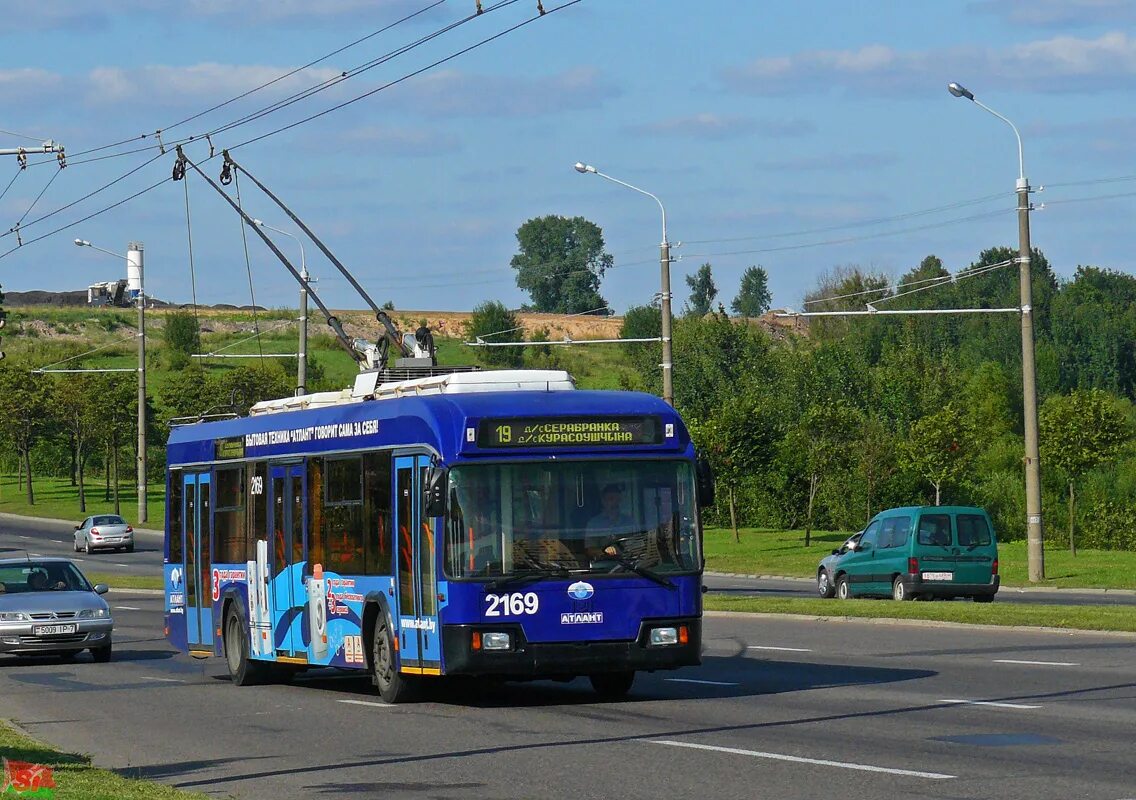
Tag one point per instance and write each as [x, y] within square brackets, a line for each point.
[496, 641]
[664, 636]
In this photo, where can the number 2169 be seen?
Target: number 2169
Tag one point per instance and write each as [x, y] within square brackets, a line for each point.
[511, 605]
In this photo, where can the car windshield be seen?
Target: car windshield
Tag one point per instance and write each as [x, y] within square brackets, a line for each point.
[594, 517]
[108, 520]
[42, 576]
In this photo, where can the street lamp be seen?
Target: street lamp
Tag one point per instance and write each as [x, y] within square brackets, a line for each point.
[1035, 534]
[665, 277]
[302, 360]
[134, 272]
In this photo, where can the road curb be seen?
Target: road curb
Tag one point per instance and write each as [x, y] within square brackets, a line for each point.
[154, 592]
[918, 623]
[1001, 589]
[70, 523]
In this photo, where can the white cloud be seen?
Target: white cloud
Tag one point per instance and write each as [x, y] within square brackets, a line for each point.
[717, 127]
[22, 84]
[1058, 13]
[1058, 64]
[207, 82]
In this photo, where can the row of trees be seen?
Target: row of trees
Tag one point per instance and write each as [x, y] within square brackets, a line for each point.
[868, 413]
[561, 261]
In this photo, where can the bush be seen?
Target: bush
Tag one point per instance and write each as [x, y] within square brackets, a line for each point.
[491, 317]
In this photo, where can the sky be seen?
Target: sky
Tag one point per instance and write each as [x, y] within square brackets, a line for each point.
[799, 136]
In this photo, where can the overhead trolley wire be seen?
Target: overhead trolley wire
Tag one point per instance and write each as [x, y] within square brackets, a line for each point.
[248, 268]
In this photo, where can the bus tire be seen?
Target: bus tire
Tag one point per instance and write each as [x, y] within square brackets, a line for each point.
[393, 686]
[242, 669]
[612, 685]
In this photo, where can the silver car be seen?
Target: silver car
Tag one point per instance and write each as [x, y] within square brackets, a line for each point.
[47, 607]
[104, 532]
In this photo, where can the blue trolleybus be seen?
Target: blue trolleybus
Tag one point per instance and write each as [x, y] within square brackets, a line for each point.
[497, 523]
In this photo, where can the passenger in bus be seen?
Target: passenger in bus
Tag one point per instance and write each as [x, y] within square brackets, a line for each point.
[609, 523]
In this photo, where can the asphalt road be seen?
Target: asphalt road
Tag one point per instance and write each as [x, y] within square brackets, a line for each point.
[780, 709]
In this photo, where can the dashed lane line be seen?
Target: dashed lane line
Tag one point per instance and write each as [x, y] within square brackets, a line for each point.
[365, 703]
[704, 683]
[821, 762]
[779, 649]
[991, 703]
[1037, 663]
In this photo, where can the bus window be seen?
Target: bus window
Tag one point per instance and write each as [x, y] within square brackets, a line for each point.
[377, 513]
[316, 553]
[229, 516]
[174, 538]
[343, 531]
[257, 509]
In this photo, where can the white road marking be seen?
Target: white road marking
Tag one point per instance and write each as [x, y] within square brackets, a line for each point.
[366, 703]
[163, 680]
[779, 649]
[127, 608]
[693, 680]
[1037, 663]
[25, 537]
[988, 703]
[800, 760]
[122, 565]
[78, 559]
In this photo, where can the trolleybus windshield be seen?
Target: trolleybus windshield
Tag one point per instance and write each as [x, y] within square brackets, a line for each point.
[588, 517]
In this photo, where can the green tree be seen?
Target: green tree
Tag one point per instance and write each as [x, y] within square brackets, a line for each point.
[702, 291]
[1080, 432]
[825, 437]
[753, 296]
[940, 448]
[182, 336]
[74, 407]
[115, 418]
[875, 459]
[492, 322]
[1094, 331]
[560, 264]
[644, 322]
[24, 413]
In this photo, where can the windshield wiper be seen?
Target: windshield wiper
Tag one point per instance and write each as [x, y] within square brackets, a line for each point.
[551, 571]
[646, 573]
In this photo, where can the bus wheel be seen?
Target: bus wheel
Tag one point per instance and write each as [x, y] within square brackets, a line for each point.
[393, 686]
[243, 670]
[612, 684]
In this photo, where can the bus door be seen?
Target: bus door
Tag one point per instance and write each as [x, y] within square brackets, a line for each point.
[286, 521]
[197, 525]
[419, 632]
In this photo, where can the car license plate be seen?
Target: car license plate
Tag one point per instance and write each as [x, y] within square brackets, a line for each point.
[54, 630]
[938, 576]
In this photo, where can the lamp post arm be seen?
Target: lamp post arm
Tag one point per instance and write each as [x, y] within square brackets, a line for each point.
[641, 191]
[104, 250]
[299, 241]
[1014, 128]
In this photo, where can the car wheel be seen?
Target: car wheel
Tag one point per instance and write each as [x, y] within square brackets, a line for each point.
[75, 545]
[899, 590]
[824, 585]
[87, 546]
[984, 598]
[612, 685]
[101, 654]
[843, 589]
[242, 669]
[129, 548]
[393, 686]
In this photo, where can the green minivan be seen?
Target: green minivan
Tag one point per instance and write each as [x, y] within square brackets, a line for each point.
[922, 552]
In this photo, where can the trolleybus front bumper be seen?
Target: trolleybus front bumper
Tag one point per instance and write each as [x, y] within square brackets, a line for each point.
[567, 659]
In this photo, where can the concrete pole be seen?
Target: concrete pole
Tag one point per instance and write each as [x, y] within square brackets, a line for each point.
[302, 369]
[1034, 532]
[665, 313]
[134, 261]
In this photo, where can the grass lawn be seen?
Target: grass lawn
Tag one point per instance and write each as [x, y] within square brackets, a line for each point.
[1094, 618]
[76, 779]
[115, 581]
[57, 498]
[767, 552]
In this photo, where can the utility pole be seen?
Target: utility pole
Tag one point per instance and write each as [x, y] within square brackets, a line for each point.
[1035, 536]
[302, 369]
[134, 275]
[665, 313]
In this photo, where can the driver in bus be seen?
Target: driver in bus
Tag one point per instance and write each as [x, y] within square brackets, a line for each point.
[609, 523]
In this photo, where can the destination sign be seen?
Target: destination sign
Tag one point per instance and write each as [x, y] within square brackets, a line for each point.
[569, 432]
[229, 448]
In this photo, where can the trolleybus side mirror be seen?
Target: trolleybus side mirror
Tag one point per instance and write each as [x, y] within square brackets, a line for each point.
[705, 475]
[435, 500]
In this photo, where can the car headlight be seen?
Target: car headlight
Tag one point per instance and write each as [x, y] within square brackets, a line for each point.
[94, 613]
[13, 616]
